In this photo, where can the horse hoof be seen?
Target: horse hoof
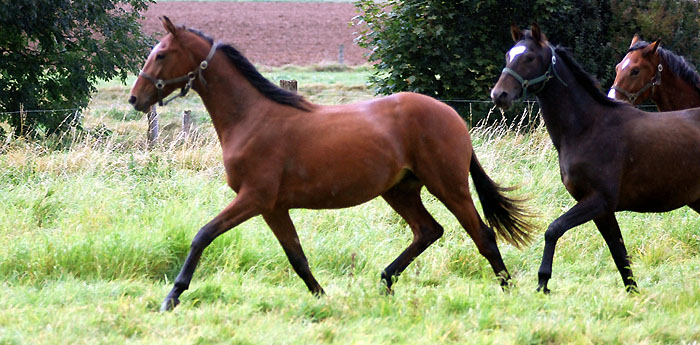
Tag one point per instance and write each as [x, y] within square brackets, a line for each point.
[386, 290]
[319, 293]
[543, 289]
[506, 287]
[632, 289]
[169, 304]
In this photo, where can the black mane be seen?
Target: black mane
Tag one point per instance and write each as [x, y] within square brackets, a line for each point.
[677, 64]
[589, 83]
[267, 88]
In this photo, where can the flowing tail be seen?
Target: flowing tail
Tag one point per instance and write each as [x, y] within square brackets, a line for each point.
[507, 216]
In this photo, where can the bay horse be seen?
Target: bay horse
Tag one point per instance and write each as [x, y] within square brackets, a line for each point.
[282, 152]
[612, 156]
[650, 71]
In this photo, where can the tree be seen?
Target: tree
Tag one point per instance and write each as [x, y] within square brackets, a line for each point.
[53, 52]
[454, 49]
[674, 22]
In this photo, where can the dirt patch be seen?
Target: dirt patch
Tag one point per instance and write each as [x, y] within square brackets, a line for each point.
[269, 33]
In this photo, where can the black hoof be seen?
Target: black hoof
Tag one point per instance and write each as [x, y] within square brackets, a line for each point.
[506, 287]
[387, 291]
[169, 304]
[387, 281]
[505, 281]
[543, 289]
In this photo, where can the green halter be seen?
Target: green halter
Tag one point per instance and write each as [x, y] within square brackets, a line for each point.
[525, 83]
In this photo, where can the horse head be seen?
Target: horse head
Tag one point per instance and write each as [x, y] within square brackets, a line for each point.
[529, 65]
[172, 64]
[637, 73]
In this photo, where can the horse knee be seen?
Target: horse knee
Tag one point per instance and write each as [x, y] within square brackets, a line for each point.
[553, 233]
[201, 240]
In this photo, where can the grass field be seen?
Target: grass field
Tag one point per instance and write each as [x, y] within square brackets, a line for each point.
[94, 234]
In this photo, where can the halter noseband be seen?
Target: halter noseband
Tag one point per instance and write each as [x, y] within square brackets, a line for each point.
[549, 74]
[656, 81]
[189, 78]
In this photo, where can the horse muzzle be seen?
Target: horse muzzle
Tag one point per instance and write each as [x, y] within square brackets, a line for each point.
[140, 104]
[502, 98]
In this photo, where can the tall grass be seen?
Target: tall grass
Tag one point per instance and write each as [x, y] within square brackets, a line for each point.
[94, 234]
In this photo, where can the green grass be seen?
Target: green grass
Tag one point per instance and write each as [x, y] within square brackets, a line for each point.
[93, 236]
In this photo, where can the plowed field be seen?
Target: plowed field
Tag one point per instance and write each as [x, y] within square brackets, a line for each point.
[269, 33]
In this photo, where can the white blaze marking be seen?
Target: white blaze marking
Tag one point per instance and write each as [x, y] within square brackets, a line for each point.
[515, 51]
[625, 63]
[611, 93]
[153, 51]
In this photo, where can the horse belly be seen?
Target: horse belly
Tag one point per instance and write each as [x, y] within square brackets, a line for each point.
[338, 183]
[661, 194]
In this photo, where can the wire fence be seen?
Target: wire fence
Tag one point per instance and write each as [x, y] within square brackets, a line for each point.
[342, 94]
[39, 111]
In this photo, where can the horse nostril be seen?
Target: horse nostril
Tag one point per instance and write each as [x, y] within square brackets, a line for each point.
[503, 95]
[132, 100]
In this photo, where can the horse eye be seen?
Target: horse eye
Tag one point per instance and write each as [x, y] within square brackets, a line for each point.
[160, 56]
[634, 71]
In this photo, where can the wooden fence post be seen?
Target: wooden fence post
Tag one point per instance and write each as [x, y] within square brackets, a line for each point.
[290, 85]
[152, 133]
[186, 123]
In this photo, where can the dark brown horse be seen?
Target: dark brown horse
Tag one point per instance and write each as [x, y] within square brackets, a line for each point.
[612, 156]
[282, 152]
[650, 71]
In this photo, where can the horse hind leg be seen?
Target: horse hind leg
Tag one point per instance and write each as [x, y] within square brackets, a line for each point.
[608, 227]
[450, 184]
[283, 228]
[460, 203]
[404, 198]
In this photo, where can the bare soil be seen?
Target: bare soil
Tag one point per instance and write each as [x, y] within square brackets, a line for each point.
[269, 33]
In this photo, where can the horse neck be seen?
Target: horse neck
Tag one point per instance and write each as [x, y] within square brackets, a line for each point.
[567, 110]
[674, 93]
[229, 97]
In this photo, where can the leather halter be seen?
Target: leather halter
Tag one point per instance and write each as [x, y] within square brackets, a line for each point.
[549, 74]
[656, 81]
[189, 78]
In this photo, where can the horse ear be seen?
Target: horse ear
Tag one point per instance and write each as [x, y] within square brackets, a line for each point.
[516, 33]
[168, 25]
[635, 39]
[537, 34]
[654, 46]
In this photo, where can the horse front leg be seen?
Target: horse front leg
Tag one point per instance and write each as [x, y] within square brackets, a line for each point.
[283, 228]
[586, 210]
[235, 213]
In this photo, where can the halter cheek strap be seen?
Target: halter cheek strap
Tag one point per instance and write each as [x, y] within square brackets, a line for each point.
[549, 74]
[160, 84]
[656, 81]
